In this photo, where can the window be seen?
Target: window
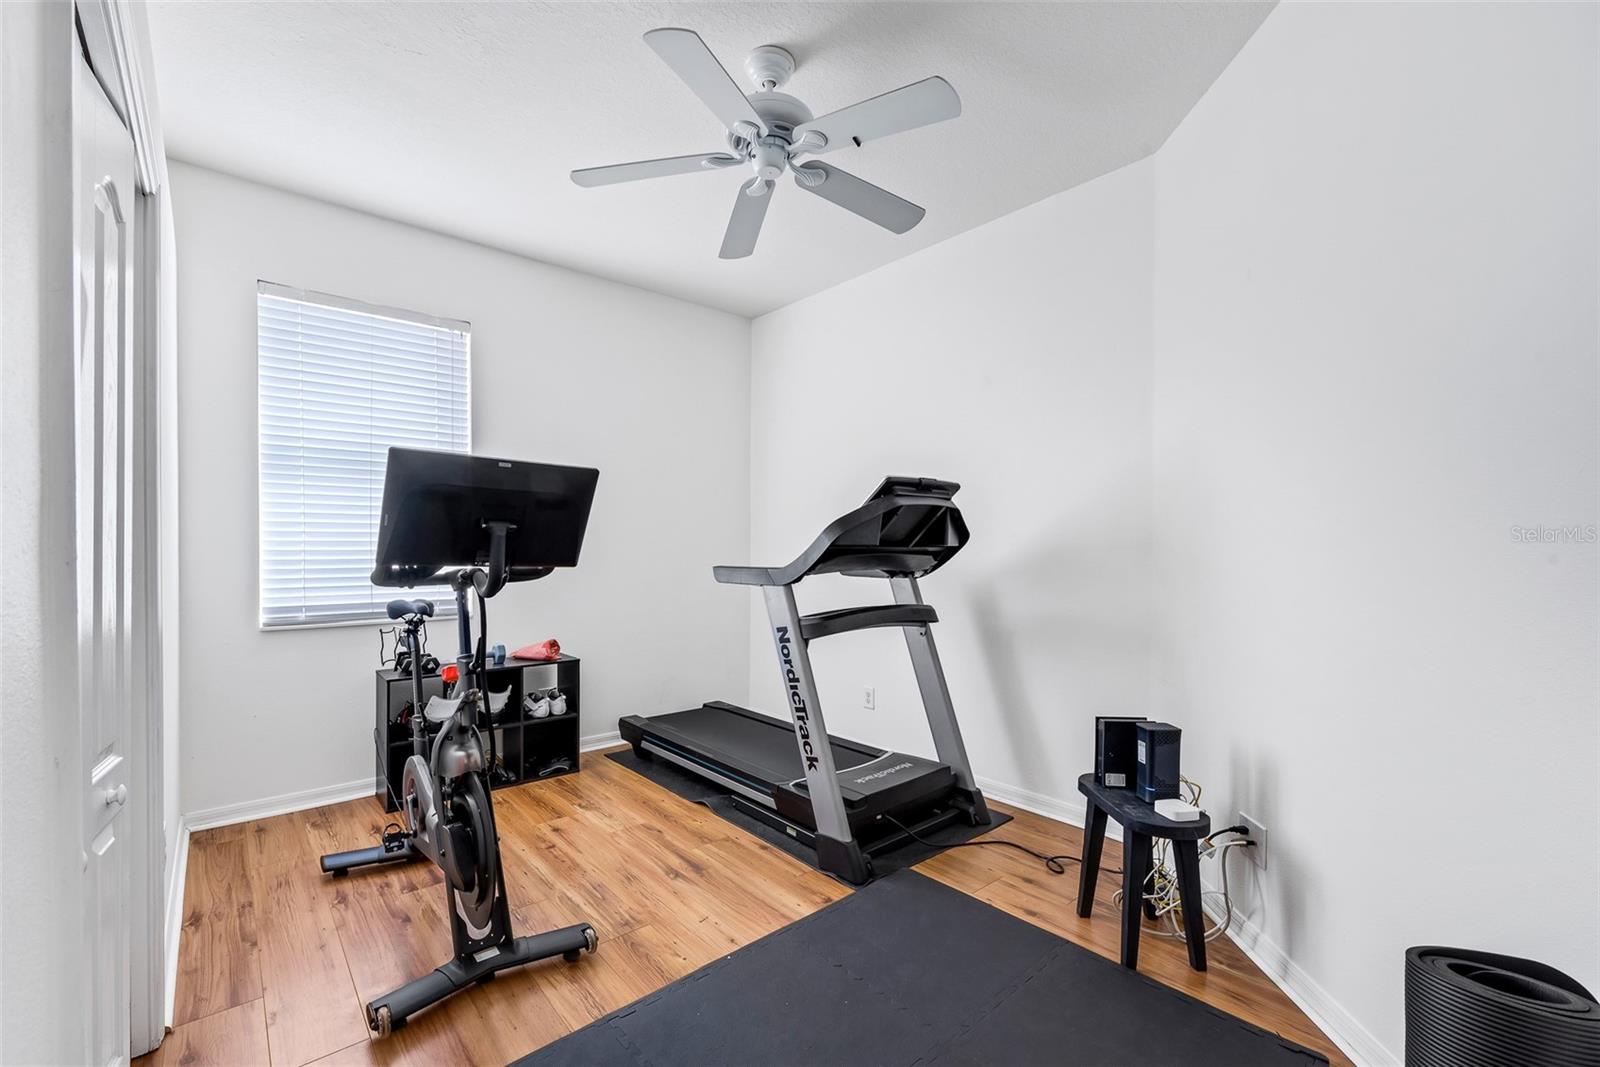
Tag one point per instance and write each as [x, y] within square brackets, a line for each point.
[338, 383]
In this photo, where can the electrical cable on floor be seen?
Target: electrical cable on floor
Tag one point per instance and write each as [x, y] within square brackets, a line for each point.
[1161, 884]
[1053, 864]
[1169, 908]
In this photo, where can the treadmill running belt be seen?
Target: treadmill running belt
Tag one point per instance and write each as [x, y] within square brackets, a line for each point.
[675, 779]
[744, 737]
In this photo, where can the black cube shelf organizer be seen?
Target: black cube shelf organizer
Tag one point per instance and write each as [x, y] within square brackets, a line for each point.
[526, 749]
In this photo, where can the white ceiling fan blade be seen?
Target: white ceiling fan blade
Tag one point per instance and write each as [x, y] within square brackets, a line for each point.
[691, 60]
[589, 177]
[744, 225]
[861, 197]
[918, 104]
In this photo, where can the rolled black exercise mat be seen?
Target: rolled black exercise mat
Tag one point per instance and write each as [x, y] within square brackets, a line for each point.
[1476, 1009]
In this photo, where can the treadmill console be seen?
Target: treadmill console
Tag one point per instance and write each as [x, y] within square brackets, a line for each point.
[898, 485]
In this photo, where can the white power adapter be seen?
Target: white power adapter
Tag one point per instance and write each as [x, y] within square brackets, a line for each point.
[1177, 810]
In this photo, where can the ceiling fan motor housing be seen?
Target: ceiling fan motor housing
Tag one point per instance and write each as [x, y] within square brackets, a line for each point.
[769, 154]
[781, 112]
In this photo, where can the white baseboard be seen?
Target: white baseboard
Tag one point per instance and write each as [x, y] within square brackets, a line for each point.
[1070, 812]
[1038, 803]
[1331, 1017]
[174, 918]
[594, 741]
[228, 814]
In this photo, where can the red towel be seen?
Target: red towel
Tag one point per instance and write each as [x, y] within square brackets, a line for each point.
[544, 650]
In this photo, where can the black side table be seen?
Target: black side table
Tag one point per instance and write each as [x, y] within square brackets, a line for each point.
[1140, 824]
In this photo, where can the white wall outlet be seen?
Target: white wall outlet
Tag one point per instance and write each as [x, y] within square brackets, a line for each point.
[1258, 834]
[869, 698]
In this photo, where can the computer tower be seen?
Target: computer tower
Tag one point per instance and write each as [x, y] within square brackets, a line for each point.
[1114, 762]
[1157, 756]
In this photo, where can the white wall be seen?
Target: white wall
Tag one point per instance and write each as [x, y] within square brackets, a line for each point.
[1362, 349]
[1243, 432]
[1014, 359]
[41, 874]
[1375, 355]
[566, 368]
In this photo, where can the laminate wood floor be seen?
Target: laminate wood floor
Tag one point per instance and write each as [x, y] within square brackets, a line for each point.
[277, 960]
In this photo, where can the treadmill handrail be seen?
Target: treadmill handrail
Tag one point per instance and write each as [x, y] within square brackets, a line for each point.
[869, 561]
[848, 620]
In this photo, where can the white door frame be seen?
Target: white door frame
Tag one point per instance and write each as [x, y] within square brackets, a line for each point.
[117, 41]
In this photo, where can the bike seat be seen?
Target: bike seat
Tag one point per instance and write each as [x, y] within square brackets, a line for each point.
[399, 609]
[440, 709]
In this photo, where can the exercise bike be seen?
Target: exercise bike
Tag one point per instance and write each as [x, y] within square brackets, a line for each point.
[509, 522]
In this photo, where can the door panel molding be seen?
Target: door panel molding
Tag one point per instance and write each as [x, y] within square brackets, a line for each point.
[113, 37]
[105, 362]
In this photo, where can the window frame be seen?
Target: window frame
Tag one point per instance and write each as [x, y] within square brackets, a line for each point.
[445, 607]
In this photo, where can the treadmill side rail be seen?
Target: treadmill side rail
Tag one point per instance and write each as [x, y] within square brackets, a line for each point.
[936, 701]
[837, 849]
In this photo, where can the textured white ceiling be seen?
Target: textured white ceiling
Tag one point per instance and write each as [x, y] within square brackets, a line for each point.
[466, 117]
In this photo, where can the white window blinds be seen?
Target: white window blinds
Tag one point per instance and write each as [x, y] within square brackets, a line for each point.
[339, 382]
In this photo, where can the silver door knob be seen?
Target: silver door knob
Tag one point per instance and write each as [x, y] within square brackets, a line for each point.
[116, 796]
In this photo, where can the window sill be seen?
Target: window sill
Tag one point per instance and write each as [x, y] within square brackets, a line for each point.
[293, 627]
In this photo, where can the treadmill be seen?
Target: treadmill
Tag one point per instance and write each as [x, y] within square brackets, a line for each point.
[846, 800]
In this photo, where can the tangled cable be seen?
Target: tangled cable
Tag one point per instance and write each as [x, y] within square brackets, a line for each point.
[1161, 884]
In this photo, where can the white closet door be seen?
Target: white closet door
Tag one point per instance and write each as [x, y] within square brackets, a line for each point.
[103, 261]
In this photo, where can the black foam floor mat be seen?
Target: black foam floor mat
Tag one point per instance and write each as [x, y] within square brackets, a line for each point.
[691, 787]
[909, 971]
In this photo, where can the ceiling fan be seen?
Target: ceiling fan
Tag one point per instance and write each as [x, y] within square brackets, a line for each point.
[769, 131]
